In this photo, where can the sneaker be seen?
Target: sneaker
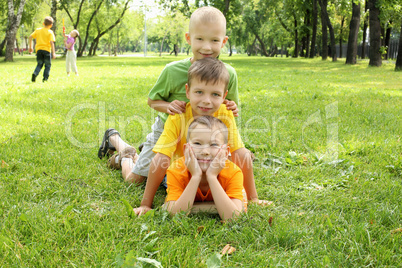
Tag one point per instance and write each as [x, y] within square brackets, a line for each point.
[33, 79]
[128, 152]
[106, 148]
[44, 80]
[141, 146]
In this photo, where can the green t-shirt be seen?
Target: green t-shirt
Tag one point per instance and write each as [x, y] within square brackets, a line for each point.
[171, 84]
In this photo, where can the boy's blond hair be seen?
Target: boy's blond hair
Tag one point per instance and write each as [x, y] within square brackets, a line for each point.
[207, 15]
[209, 70]
[48, 21]
[210, 122]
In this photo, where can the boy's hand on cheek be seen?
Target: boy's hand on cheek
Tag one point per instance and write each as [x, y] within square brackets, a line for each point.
[232, 106]
[176, 107]
[191, 162]
[217, 164]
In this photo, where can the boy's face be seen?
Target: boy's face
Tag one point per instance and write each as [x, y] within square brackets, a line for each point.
[206, 40]
[205, 99]
[206, 144]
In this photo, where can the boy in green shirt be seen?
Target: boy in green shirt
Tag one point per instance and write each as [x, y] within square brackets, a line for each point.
[44, 46]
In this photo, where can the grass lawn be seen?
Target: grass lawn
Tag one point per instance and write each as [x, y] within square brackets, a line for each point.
[327, 138]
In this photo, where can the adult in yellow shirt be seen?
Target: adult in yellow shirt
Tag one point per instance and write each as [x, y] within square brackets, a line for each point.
[44, 46]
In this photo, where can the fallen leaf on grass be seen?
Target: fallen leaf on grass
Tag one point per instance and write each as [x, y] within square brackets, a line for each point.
[398, 230]
[228, 249]
[270, 220]
[3, 164]
[200, 229]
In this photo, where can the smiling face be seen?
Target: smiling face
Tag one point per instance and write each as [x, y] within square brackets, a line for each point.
[206, 40]
[205, 98]
[206, 143]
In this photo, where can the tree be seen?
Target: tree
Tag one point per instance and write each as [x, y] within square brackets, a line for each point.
[325, 17]
[13, 25]
[398, 65]
[314, 36]
[351, 53]
[365, 26]
[375, 34]
[324, 30]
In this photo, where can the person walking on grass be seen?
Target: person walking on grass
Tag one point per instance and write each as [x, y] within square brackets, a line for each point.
[207, 36]
[204, 180]
[71, 56]
[44, 47]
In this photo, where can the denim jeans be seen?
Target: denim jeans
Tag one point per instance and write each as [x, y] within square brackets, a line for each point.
[43, 57]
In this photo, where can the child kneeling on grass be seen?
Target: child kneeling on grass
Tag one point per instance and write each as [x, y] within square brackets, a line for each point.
[205, 174]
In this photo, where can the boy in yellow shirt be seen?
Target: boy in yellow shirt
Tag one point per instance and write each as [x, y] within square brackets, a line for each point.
[44, 46]
[204, 179]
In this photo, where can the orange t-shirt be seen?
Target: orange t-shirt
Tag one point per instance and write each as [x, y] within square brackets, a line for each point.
[178, 177]
[43, 38]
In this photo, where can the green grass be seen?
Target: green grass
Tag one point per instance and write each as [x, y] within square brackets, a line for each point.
[327, 138]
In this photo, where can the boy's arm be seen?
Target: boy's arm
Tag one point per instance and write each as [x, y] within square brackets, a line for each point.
[30, 44]
[186, 200]
[208, 207]
[53, 50]
[174, 107]
[227, 207]
[157, 171]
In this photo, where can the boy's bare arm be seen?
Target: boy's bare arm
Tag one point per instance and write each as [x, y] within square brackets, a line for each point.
[30, 50]
[242, 158]
[53, 50]
[208, 207]
[186, 200]
[227, 207]
[174, 107]
[157, 171]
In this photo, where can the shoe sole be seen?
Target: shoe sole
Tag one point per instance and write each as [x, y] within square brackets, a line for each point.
[105, 149]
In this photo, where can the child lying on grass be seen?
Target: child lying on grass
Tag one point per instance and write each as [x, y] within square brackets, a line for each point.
[204, 173]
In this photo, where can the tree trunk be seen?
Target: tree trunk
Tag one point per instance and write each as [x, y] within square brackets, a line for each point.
[75, 24]
[387, 38]
[398, 65]
[314, 37]
[351, 53]
[296, 51]
[13, 25]
[323, 4]
[308, 15]
[2, 44]
[341, 37]
[53, 14]
[263, 48]
[100, 34]
[163, 40]
[375, 34]
[230, 48]
[365, 26]
[331, 30]
[82, 48]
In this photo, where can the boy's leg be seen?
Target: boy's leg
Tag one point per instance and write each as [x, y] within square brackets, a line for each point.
[39, 65]
[48, 64]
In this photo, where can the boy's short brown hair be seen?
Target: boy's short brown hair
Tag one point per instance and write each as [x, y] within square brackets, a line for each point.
[207, 15]
[48, 21]
[209, 70]
[211, 123]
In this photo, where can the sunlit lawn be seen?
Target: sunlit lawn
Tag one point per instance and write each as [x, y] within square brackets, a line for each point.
[327, 138]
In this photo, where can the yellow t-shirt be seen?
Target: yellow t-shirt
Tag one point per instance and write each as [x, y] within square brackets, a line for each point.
[174, 135]
[178, 177]
[43, 38]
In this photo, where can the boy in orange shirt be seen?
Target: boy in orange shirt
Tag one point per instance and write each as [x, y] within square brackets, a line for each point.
[204, 179]
[44, 46]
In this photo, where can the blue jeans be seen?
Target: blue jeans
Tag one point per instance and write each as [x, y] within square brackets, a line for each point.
[43, 57]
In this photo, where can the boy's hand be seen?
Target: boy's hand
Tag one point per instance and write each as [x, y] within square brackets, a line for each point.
[53, 55]
[262, 203]
[232, 106]
[217, 164]
[176, 107]
[191, 162]
[30, 50]
[141, 210]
